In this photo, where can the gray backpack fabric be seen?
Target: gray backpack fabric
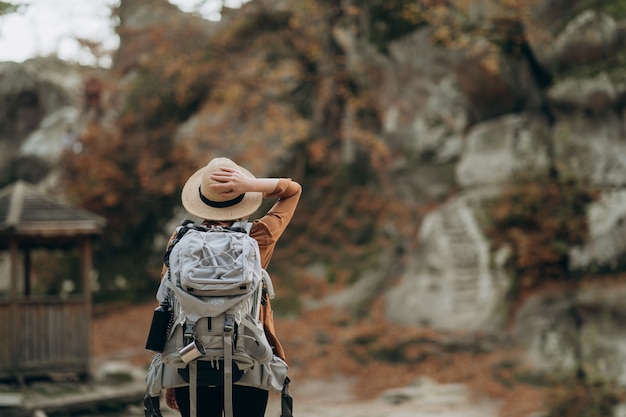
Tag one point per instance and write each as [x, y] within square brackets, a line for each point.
[214, 288]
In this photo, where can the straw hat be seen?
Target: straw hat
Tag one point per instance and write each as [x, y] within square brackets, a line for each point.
[202, 201]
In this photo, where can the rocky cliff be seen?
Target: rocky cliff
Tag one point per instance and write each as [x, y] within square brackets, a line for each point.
[559, 102]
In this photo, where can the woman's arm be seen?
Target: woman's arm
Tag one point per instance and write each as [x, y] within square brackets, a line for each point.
[231, 182]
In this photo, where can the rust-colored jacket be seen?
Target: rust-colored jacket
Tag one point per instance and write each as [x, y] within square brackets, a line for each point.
[266, 231]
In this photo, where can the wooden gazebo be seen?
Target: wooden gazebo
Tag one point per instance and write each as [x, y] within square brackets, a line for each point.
[43, 334]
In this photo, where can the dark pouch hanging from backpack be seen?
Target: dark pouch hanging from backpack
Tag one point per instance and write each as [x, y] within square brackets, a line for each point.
[159, 327]
[286, 401]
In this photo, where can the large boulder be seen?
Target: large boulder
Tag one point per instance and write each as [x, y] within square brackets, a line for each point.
[423, 110]
[592, 147]
[566, 331]
[606, 244]
[564, 37]
[450, 281]
[498, 150]
[597, 94]
[590, 37]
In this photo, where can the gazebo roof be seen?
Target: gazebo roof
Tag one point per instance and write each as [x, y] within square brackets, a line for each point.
[26, 212]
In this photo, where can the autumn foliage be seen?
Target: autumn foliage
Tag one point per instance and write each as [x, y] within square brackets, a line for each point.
[264, 87]
[539, 222]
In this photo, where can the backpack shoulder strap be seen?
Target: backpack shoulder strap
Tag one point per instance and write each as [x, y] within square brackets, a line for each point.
[269, 286]
[229, 327]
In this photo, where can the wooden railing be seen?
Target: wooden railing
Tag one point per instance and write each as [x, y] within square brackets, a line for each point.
[44, 337]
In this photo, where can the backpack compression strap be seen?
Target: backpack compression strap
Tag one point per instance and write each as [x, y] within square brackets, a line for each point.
[186, 225]
[193, 388]
[229, 327]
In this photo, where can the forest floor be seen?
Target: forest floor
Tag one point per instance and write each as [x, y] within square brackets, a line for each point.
[342, 366]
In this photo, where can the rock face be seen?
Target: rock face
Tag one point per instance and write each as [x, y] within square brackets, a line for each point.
[498, 150]
[580, 130]
[567, 331]
[453, 280]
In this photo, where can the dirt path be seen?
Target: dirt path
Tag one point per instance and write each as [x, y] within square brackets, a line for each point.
[332, 398]
[322, 406]
[379, 390]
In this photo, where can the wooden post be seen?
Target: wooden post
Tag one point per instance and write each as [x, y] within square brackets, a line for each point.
[14, 322]
[27, 272]
[86, 267]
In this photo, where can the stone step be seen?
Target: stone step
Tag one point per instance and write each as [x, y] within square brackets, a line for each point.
[461, 289]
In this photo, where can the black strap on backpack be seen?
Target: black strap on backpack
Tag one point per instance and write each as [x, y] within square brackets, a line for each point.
[151, 406]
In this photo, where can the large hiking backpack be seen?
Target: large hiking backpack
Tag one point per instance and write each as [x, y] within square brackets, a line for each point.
[213, 289]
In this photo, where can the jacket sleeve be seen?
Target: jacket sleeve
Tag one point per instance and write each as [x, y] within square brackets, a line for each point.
[268, 229]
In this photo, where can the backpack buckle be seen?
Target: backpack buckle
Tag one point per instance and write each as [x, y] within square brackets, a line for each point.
[188, 333]
[229, 323]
